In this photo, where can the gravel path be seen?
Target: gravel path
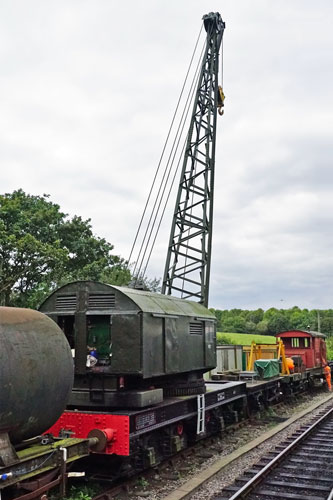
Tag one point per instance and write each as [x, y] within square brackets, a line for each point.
[232, 471]
[160, 487]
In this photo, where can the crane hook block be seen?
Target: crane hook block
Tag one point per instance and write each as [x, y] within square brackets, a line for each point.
[220, 101]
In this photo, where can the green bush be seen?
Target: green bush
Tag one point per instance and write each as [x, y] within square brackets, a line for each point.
[329, 345]
[221, 338]
[83, 492]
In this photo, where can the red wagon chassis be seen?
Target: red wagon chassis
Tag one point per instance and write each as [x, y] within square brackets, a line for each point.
[117, 430]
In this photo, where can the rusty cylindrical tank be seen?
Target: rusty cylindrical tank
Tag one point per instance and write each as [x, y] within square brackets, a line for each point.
[36, 372]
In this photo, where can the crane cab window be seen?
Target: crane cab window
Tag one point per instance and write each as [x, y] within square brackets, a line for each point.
[99, 338]
[295, 342]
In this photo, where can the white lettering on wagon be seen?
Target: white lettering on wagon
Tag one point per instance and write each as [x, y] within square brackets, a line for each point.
[221, 396]
[145, 420]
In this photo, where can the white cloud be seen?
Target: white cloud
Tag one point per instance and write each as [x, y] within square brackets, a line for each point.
[87, 94]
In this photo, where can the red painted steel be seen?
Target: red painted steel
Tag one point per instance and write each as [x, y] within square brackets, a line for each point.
[116, 427]
[313, 355]
[293, 333]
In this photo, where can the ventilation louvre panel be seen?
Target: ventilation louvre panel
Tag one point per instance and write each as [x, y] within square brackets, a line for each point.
[101, 301]
[66, 302]
[196, 328]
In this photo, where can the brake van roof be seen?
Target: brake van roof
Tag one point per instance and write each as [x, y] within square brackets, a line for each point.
[298, 333]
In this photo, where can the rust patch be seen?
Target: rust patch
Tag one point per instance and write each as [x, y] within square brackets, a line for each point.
[13, 315]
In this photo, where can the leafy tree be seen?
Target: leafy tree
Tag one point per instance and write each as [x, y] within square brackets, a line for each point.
[326, 321]
[218, 315]
[296, 318]
[256, 316]
[250, 327]
[329, 343]
[278, 323]
[273, 320]
[235, 312]
[239, 325]
[41, 248]
[262, 327]
[227, 325]
[270, 313]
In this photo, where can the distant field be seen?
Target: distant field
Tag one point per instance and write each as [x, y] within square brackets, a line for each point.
[245, 338]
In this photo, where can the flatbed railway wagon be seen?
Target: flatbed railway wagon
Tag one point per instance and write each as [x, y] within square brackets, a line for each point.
[306, 348]
[139, 359]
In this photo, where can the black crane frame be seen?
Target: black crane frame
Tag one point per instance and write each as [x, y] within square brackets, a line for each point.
[187, 269]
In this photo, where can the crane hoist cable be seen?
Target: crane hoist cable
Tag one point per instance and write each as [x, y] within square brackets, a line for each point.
[164, 208]
[160, 195]
[187, 108]
[164, 147]
[213, 22]
[188, 104]
[164, 182]
[142, 251]
[189, 252]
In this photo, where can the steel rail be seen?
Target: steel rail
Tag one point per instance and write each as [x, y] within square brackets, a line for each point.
[330, 496]
[260, 476]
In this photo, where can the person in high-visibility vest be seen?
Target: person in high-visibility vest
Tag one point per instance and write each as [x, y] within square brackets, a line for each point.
[327, 371]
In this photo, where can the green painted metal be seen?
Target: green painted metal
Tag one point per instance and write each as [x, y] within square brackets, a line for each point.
[150, 302]
[187, 269]
[37, 459]
[99, 335]
[149, 335]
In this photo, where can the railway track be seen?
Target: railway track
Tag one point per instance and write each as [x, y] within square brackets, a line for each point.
[169, 476]
[168, 470]
[299, 468]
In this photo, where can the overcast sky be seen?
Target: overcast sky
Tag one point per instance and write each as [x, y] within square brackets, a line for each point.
[88, 89]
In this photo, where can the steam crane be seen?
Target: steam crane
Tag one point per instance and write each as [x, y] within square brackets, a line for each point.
[145, 384]
[187, 269]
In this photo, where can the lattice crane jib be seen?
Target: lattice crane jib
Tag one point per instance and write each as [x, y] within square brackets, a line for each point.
[187, 269]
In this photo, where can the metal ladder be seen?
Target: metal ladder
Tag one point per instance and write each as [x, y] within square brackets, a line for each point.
[201, 414]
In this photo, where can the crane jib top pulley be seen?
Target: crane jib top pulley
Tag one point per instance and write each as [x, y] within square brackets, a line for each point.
[187, 269]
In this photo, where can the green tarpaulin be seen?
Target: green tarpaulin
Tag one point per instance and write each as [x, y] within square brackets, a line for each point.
[267, 368]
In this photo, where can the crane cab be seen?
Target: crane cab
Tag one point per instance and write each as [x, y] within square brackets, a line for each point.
[128, 343]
